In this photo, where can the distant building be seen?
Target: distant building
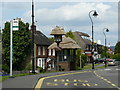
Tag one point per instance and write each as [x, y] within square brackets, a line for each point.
[83, 40]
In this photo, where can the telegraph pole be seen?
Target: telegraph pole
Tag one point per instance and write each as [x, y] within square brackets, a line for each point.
[33, 29]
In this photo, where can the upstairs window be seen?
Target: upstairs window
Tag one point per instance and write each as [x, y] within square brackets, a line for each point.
[39, 50]
[53, 53]
[43, 50]
[49, 52]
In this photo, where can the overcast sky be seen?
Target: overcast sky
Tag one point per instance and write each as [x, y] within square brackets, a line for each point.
[69, 15]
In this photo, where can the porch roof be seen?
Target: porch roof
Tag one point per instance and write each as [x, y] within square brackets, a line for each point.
[67, 43]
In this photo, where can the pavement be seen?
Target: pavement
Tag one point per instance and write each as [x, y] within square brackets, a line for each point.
[94, 78]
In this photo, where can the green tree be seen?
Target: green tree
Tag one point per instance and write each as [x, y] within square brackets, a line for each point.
[70, 34]
[21, 45]
[117, 48]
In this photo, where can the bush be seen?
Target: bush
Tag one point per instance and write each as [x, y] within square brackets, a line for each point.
[5, 68]
[116, 56]
[40, 69]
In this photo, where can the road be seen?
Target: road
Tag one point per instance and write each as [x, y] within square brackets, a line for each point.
[104, 78]
[85, 79]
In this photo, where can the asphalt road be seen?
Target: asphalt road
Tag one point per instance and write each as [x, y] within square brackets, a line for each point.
[85, 79]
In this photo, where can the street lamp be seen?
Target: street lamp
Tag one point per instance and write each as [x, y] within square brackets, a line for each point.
[57, 32]
[95, 15]
[106, 30]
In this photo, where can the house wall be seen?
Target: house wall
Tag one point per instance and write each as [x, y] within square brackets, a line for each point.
[41, 56]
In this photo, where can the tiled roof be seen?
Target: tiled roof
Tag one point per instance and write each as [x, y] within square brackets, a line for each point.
[80, 41]
[41, 39]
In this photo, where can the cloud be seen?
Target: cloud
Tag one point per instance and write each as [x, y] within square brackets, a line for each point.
[75, 17]
[76, 12]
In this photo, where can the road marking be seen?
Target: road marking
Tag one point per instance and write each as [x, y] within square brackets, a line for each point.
[107, 69]
[40, 81]
[88, 84]
[85, 81]
[51, 84]
[107, 81]
[66, 84]
[75, 84]
[96, 84]
[113, 85]
[117, 69]
[75, 80]
[83, 84]
[39, 84]
[67, 80]
[55, 80]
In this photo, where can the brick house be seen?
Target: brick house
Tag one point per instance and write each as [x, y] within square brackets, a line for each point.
[41, 43]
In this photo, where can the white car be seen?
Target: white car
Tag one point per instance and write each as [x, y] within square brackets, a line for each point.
[111, 62]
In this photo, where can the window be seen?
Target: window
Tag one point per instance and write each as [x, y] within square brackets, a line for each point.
[53, 52]
[49, 52]
[43, 50]
[39, 50]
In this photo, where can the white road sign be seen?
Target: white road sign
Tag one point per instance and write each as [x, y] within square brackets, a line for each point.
[15, 25]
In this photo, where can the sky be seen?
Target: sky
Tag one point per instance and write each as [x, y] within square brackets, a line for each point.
[69, 15]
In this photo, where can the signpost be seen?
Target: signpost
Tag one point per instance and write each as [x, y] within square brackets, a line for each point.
[13, 27]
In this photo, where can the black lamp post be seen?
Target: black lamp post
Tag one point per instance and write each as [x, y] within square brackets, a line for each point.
[105, 30]
[94, 14]
[58, 32]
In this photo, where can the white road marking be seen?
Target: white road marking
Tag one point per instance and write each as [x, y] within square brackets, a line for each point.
[107, 69]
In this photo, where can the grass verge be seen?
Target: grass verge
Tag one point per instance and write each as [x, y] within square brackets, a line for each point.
[3, 78]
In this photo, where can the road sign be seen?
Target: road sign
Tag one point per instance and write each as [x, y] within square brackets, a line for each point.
[15, 25]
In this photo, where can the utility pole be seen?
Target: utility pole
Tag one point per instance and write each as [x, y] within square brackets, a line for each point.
[33, 29]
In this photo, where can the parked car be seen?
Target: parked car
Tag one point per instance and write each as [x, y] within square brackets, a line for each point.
[117, 62]
[111, 62]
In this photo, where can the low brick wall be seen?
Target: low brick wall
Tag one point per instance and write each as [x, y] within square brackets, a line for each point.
[64, 65]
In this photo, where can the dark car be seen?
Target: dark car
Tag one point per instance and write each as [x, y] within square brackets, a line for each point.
[99, 60]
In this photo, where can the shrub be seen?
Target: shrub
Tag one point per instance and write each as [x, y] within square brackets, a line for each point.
[5, 67]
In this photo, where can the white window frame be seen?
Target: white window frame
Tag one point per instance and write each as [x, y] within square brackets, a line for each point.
[39, 50]
[43, 50]
[53, 52]
[49, 52]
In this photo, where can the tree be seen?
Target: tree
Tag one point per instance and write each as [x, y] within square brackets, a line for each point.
[117, 48]
[70, 34]
[21, 45]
